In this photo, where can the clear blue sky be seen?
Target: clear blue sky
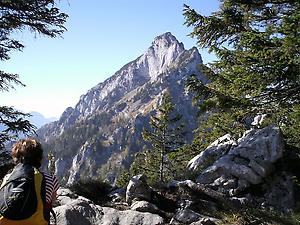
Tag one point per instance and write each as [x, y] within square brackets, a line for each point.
[102, 36]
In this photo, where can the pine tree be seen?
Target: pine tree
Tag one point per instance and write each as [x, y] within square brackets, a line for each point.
[257, 44]
[165, 136]
[38, 16]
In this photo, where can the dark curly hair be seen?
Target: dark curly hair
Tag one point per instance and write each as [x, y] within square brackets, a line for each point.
[27, 151]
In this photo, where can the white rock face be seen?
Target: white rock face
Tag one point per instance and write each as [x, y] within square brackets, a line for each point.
[161, 55]
[214, 151]
[236, 166]
[80, 159]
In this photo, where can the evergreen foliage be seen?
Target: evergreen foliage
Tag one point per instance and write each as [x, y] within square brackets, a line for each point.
[165, 136]
[12, 122]
[123, 178]
[38, 16]
[257, 44]
[94, 128]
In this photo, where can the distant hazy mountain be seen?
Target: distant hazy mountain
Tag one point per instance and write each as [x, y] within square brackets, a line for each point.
[36, 119]
[99, 137]
[39, 120]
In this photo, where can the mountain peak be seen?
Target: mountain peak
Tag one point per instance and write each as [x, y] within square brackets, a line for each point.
[162, 54]
[165, 40]
[113, 114]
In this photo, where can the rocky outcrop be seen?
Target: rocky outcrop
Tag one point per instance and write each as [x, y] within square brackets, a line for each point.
[73, 209]
[236, 166]
[138, 189]
[82, 211]
[213, 152]
[242, 172]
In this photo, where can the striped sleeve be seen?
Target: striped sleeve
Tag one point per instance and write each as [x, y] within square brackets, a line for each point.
[51, 186]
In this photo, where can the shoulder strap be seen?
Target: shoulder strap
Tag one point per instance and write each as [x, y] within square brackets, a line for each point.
[47, 206]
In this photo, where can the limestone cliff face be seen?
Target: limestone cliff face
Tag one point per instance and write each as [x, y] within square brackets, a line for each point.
[99, 136]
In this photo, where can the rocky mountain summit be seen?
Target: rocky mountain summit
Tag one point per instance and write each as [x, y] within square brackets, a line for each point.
[99, 137]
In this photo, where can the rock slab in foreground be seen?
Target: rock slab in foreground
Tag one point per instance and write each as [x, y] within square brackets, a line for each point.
[83, 212]
[236, 166]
